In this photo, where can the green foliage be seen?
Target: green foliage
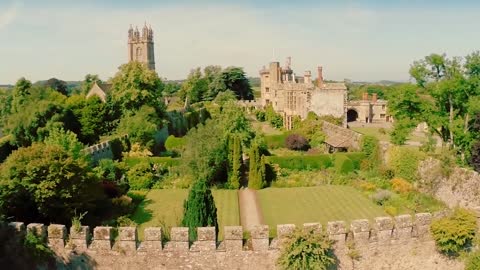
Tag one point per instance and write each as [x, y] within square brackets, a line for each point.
[141, 127]
[473, 261]
[307, 250]
[235, 160]
[141, 176]
[175, 144]
[401, 130]
[163, 161]
[67, 140]
[88, 82]
[199, 209]
[296, 142]
[343, 165]
[301, 163]
[454, 233]
[276, 141]
[93, 116]
[135, 86]
[404, 162]
[44, 182]
[311, 128]
[257, 168]
[260, 115]
[77, 221]
[371, 147]
[275, 119]
[181, 122]
[6, 148]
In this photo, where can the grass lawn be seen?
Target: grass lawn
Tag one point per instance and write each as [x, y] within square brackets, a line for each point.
[315, 204]
[374, 131]
[164, 208]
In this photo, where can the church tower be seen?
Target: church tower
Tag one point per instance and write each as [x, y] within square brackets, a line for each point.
[140, 46]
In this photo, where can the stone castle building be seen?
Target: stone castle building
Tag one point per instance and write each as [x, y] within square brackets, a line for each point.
[140, 47]
[369, 109]
[292, 96]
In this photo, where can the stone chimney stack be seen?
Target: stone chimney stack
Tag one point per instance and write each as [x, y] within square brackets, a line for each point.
[320, 77]
[307, 77]
[374, 97]
[365, 96]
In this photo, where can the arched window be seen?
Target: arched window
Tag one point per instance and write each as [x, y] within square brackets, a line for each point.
[139, 54]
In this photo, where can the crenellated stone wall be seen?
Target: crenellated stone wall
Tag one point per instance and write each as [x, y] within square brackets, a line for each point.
[119, 248]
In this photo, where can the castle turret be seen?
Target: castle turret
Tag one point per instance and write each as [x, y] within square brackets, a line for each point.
[130, 33]
[140, 47]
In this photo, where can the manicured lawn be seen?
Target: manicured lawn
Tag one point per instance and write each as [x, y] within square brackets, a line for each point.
[165, 206]
[374, 131]
[315, 204]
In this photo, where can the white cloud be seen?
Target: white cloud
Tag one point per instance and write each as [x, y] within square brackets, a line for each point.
[9, 15]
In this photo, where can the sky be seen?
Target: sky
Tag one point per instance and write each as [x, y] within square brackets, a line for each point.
[357, 40]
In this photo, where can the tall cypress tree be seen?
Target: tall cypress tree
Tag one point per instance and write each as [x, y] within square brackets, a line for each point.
[199, 209]
[256, 176]
[236, 161]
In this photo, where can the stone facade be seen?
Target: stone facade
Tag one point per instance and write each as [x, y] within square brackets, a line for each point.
[140, 47]
[292, 96]
[368, 110]
[401, 242]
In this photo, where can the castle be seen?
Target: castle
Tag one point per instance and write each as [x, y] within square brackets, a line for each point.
[292, 95]
[296, 96]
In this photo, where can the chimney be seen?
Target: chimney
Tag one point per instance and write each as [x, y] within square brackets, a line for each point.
[374, 98]
[320, 77]
[365, 96]
[307, 77]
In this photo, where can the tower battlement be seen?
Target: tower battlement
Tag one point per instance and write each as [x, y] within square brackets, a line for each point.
[140, 46]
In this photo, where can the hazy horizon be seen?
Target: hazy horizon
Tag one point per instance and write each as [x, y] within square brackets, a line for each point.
[360, 41]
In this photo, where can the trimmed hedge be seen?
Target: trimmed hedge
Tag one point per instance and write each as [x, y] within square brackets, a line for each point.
[343, 164]
[175, 144]
[355, 157]
[276, 141]
[164, 161]
[300, 163]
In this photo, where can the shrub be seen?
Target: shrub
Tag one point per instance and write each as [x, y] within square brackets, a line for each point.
[260, 115]
[401, 185]
[175, 144]
[343, 165]
[381, 196]
[199, 209]
[141, 176]
[301, 163]
[404, 162]
[297, 142]
[356, 157]
[454, 233]
[371, 147]
[307, 250]
[473, 261]
[275, 141]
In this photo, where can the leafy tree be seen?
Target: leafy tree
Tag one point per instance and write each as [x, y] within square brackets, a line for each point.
[44, 183]
[92, 115]
[233, 79]
[195, 87]
[275, 119]
[20, 93]
[141, 176]
[454, 233]
[171, 88]
[235, 159]
[141, 127]
[307, 250]
[57, 85]
[135, 85]
[199, 209]
[224, 98]
[67, 140]
[371, 147]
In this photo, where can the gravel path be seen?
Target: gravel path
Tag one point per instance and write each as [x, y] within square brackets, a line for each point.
[250, 213]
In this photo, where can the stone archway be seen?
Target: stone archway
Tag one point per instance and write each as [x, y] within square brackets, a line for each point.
[352, 115]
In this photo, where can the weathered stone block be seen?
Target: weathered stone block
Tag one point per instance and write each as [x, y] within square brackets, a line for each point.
[315, 227]
[361, 230]
[403, 227]
[384, 228]
[38, 229]
[421, 226]
[233, 245]
[79, 238]
[102, 238]
[127, 238]
[233, 233]
[284, 230]
[19, 226]
[337, 231]
[260, 232]
[206, 234]
[56, 235]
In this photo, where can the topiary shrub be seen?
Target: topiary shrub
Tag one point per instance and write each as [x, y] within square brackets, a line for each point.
[296, 142]
[454, 233]
[307, 250]
[343, 165]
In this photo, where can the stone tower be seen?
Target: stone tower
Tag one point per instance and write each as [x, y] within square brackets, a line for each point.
[140, 46]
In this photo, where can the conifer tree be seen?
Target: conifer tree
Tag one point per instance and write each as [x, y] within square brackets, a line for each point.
[199, 209]
[256, 176]
[236, 163]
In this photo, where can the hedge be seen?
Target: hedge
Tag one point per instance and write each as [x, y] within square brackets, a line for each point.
[276, 141]
[165, 161]
[355, 157]
[300, 163]
[175, 143]
[343, 164]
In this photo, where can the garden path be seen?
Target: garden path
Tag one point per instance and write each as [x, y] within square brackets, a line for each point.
[250, 212]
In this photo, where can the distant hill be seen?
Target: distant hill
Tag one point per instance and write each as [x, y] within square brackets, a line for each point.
[6, 86]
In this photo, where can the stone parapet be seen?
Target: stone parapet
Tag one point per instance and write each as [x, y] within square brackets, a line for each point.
[57, 234]
[102, 238]
[260, 240]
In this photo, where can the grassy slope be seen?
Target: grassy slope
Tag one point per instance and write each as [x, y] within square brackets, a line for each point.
[315, 204]
[166, 206]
